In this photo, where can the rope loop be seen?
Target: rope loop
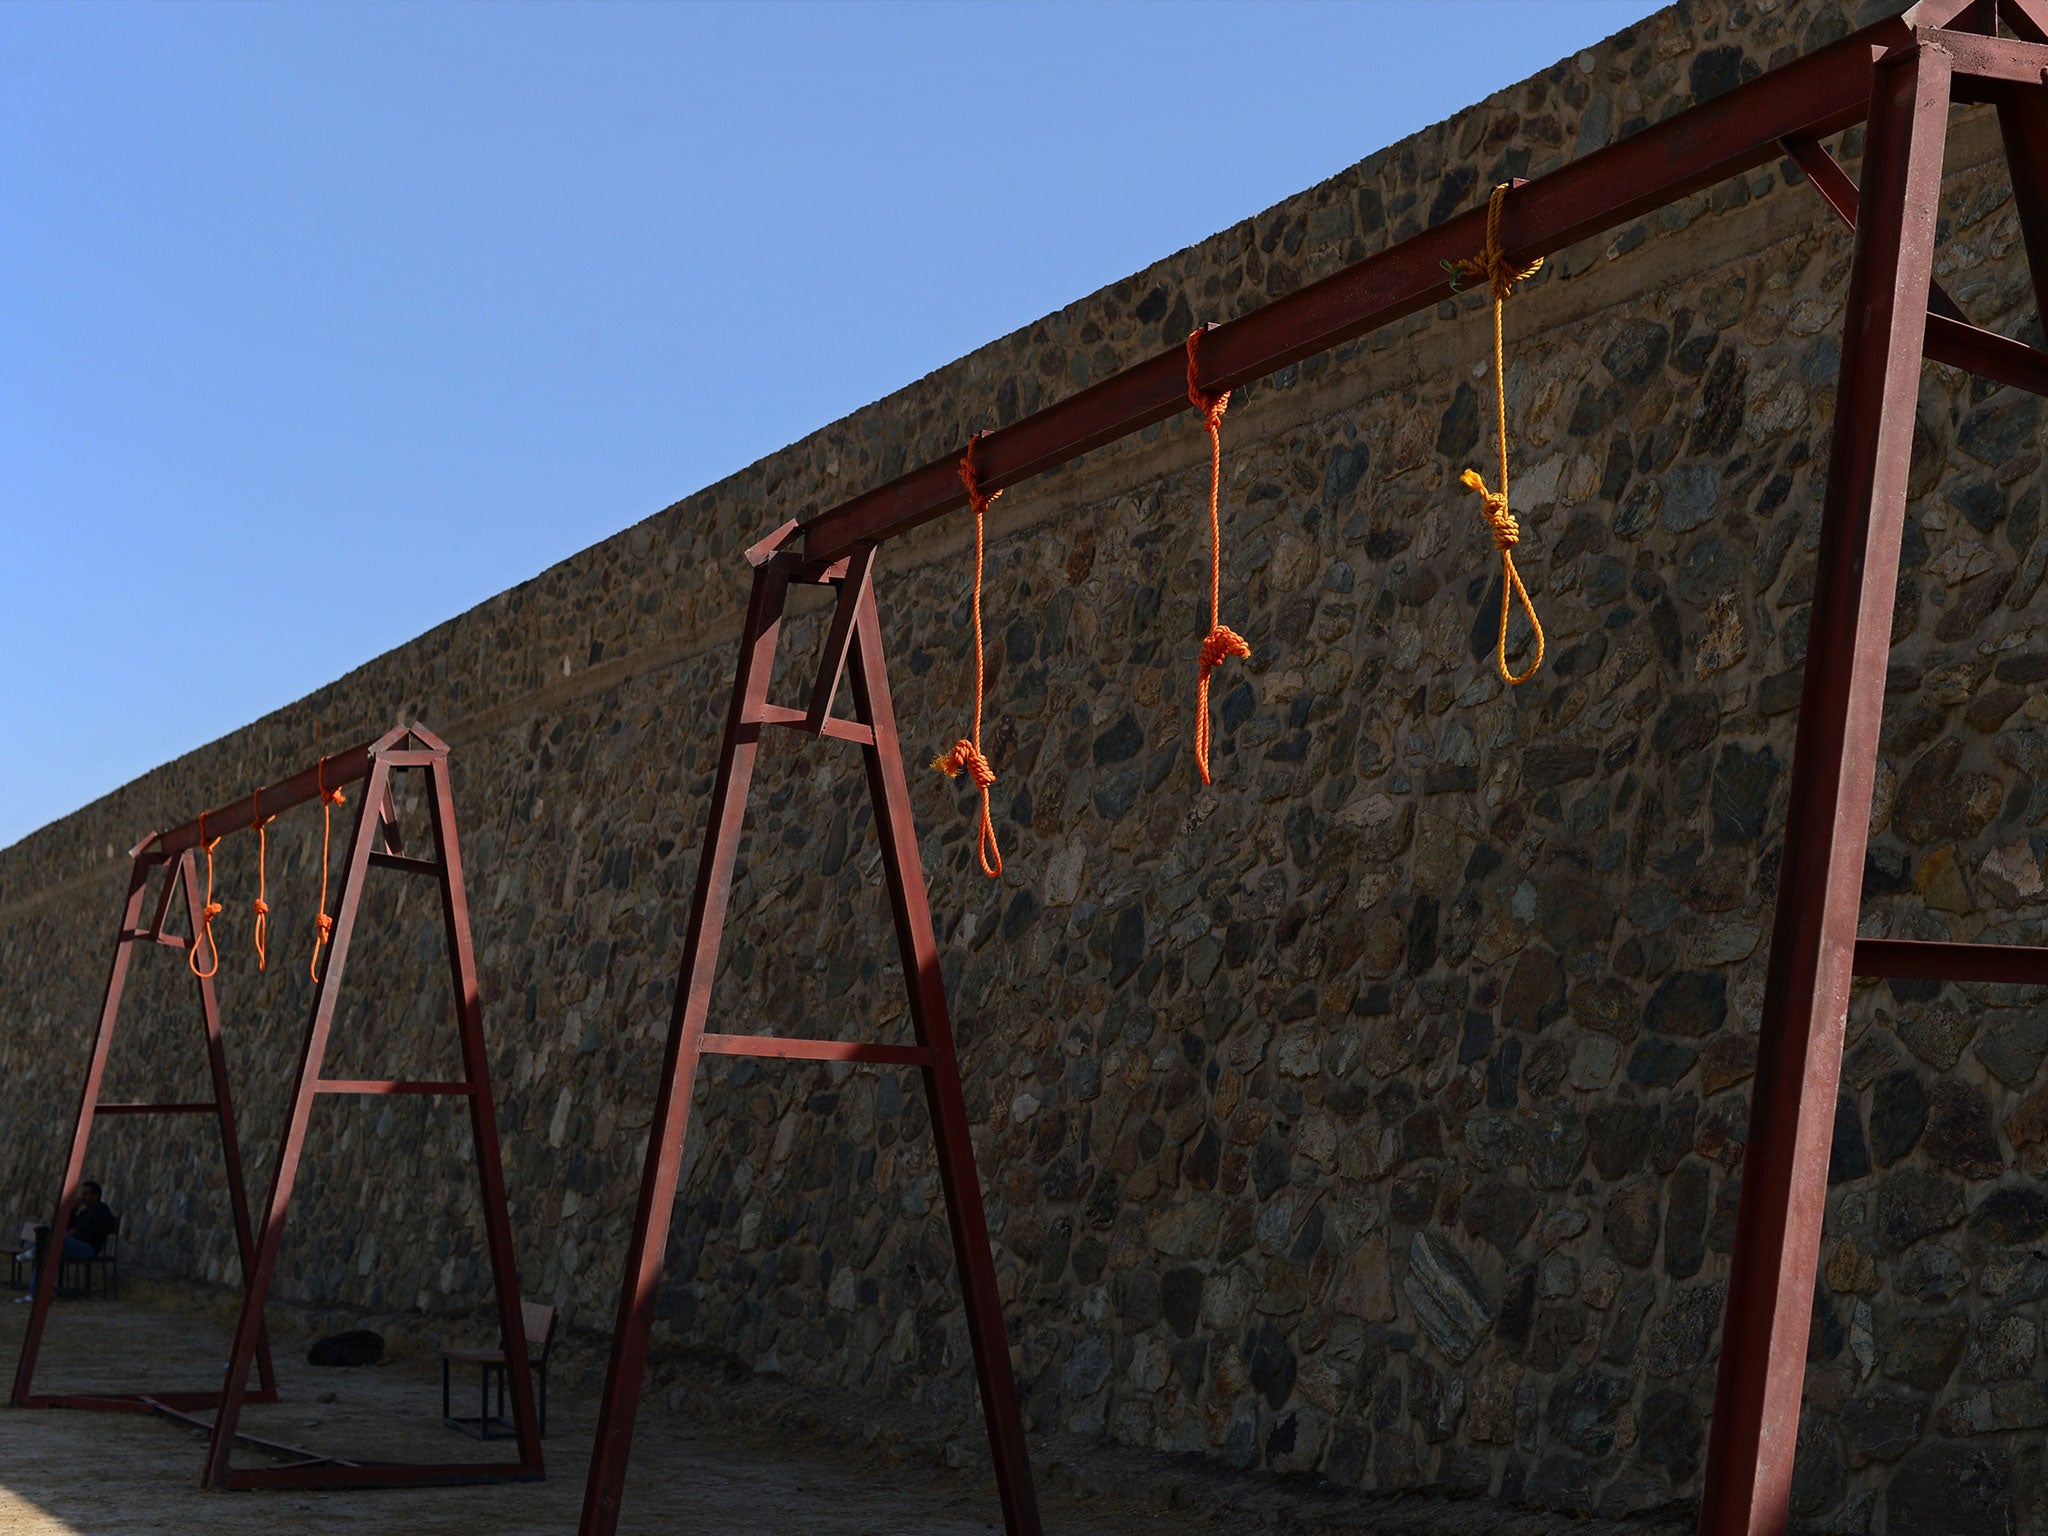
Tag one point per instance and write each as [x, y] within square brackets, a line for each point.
[1501, 275]
[967, 757]
[966, 753]
[207, 913]
[1221, 642]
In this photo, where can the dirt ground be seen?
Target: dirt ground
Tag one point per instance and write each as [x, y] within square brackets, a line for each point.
[114, 1474]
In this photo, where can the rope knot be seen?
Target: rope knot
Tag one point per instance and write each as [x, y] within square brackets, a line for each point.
[1211, 406]
[326, 927]
[1507, 531]
[1223, 643]
[970, 476]
[334, 797]
[260, 907]
[1491, 263]
[966, 757]
[213, 910]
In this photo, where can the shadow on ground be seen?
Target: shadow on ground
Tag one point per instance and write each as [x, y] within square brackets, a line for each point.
[792, 1473]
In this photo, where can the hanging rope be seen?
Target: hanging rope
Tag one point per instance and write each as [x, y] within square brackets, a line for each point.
[1501, 275]
[966, 754]
[323, 924]
[261, 907]
[1221, 642]
[208, 913]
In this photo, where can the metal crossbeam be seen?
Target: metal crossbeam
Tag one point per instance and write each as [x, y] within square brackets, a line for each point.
[786, 1048]
[1909, 959]
[1812, 97]
[392, 1085]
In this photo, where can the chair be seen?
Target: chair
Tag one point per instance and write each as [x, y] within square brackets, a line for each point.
[538, 1323]
[80, 1271]
[74, 1276]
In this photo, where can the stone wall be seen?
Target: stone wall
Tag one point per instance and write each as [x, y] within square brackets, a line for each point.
[1378, 1112]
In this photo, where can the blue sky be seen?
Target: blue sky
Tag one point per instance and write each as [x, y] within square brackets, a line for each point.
[322, 323]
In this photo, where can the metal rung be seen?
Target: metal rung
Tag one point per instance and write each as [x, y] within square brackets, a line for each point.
[839, 730]
[156, 1109]
[411, 866]
[1911, 959]
[166, 1405]
[814, 1050]
[331, 1472]
[391, 1085]
[93, 1402]
[144, 936]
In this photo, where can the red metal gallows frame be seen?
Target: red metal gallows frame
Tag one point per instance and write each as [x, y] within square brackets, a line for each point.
[404, 749]
[178, 872]
[1900, 76]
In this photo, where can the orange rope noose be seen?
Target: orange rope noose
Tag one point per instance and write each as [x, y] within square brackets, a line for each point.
[1501, 276]
[966, 753]
[261, 906]
[1221, 642]
[323, 924]
[208, 913]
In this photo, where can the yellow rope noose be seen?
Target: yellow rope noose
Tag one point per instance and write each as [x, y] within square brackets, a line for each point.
[1501, 276]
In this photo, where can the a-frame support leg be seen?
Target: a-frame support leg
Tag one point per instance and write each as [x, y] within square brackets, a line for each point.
[903, 869]
[221, 1445]
[1754, 1432]
[131, 933]
[483, 1116]
[390, 755]
[855, 639]
[661, 1172]
[230, 1144]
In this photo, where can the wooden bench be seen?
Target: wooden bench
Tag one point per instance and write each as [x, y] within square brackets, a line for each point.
[538, 1323]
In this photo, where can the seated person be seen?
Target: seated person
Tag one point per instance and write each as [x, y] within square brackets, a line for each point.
[92, 1223]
